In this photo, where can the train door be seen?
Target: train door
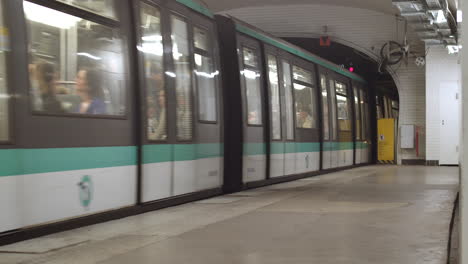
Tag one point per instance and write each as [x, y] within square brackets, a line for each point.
[276, 115]
[327, 118]
[181, 150]
[333, 143]
[254, 147]
[307, 122]
[344, 117]
[358, 124]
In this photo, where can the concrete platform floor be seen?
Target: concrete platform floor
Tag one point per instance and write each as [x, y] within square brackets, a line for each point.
[378, 214]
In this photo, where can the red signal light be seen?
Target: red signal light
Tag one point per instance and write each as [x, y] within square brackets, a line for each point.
[351, 69]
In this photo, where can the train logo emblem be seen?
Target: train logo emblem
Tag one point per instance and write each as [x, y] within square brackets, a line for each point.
[85, 191]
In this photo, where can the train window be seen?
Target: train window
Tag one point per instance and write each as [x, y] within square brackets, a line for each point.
[252, 88]
[250, 59]
[76, 66]
[395, 104]
[151, 47]
[341, 88]
[326, 125]
[344, 121]
[200, 39]
[274, 97]
[305, 105]
[288, 98]
[183, 83]
[205, 75]
[4, 97]
[357, 113]
[333, 110]
[364, 115]
[302, 75]
[100, 7]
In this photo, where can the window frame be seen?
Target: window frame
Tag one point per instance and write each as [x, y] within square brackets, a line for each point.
[142, 78]
[212, 56]
[258, 70]
[357, 112]
[278, 72]
[95, 18]
[328, 98]
[312, 86]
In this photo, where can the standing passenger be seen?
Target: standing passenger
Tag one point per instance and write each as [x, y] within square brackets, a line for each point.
[88, 87]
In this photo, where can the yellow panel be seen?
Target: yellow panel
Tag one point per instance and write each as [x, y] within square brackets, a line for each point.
[386, 139]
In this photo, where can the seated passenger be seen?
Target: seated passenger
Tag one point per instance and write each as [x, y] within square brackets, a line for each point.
[88, 87]
[45, 78]
[304, 119]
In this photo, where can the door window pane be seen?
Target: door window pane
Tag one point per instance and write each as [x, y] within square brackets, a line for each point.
[183, 87]
[253, 95]
[76, 66]
[250, 58]
[274, 97]
[302, 75]
[4, 96]
[333, 110]
[206, 83]
[344, 123]
[305, 106]
[100, 7]
[152, 51]
[341, 88]
[365, 120]
[200, 39]
[326, 121]
[288, 98]
[358, 113]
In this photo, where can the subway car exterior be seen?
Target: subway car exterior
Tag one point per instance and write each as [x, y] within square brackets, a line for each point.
[299, 114]
[113, 108]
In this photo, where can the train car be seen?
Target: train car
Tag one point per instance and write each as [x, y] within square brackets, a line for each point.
[106, 107]
[291, 114]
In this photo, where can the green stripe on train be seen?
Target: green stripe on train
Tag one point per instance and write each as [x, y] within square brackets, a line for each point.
[197, 7]
[299, 53]
[30, 161]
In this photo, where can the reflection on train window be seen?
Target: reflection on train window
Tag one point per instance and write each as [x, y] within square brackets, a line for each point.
[302, 75]
[305, 106]
[205, 75]
[344, 122]
[250, 59]
[288, 98]
[341, 88]
[200, 39]
[151, 47]
[358, 113]
[183, 84]
[253, 95]
[326, 125]
[395, 104]
[333, 110]
[76, 66]
[274, 97]
[100, 7]
[4, 97]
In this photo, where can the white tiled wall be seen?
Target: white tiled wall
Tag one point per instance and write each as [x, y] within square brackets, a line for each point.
[440, 67]
[361, 29]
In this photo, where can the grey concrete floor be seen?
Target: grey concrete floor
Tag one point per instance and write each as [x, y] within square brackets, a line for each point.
[378, 214]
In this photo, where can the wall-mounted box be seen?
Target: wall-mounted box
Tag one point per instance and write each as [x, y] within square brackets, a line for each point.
[407, 137]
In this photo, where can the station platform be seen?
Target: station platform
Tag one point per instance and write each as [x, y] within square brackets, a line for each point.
[377, 214]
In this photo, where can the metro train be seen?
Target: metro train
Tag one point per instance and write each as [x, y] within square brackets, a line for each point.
[113, 108]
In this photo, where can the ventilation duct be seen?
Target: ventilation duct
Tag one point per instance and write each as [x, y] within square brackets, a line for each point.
[430, 19]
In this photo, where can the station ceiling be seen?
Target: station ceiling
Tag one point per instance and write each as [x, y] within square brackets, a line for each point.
[383, 6]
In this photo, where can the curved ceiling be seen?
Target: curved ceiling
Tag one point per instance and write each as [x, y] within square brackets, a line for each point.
[383, 6]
